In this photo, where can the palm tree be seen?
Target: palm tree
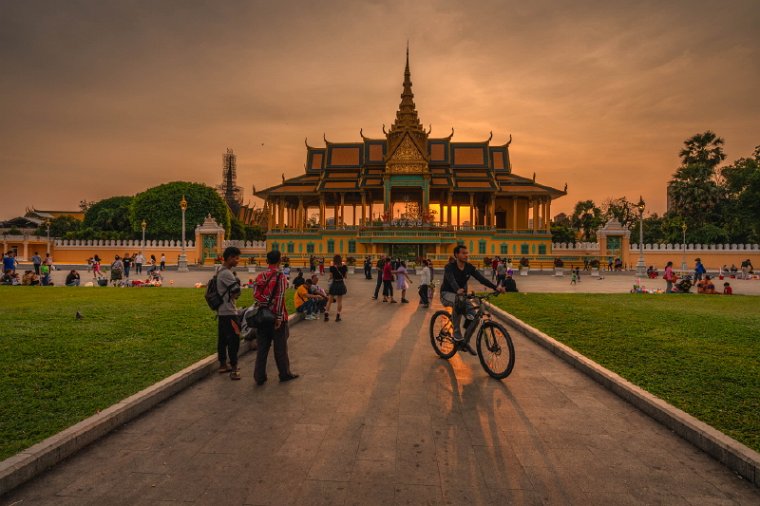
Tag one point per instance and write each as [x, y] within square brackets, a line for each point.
[703, 149]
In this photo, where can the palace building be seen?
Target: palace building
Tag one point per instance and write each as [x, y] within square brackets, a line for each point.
[409, 195]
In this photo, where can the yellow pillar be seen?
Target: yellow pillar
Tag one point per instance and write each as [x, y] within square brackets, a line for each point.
[321, 211]
[513, 217]
[301, 213]
[448, 209]
[364, 208]
[548, 214]
[342, 208]
[535, 214]
[281, 214]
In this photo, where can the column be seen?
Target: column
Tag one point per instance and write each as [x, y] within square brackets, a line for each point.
[473, 221]
[270, 215]
[353, 209]
[342, 208]
[281, 214]
[321, 211]
[300, 220]
[493, 211]
[459, 216]
[535, 214]
[513, 217]
[336, 215]
[364, 208]
[448, 208]
[548, 214]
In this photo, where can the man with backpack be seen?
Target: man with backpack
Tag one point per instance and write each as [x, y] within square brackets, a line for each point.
[269, 292]
[228, 328]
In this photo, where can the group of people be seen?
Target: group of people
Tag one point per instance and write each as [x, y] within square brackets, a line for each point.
[311, 300]
[121, 268]
[389, 270]
[39, 276]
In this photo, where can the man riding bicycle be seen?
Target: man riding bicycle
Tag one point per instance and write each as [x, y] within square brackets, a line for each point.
[454, 287]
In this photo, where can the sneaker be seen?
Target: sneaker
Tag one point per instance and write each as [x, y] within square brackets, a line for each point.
[394, 301]
[289, 377]
[468, 348]
[310, 317]
[337, 317]
[235, 375]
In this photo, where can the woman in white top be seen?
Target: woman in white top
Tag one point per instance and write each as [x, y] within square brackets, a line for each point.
[402, 281]
[424, 284]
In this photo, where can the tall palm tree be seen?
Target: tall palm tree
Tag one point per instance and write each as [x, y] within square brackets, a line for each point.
[703, 149]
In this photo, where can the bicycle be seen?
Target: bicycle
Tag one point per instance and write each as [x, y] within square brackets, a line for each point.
[493, 344]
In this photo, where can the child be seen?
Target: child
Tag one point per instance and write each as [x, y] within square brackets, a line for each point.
[573, 278]
[727, 290]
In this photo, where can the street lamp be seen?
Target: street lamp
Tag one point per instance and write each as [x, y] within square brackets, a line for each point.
[47, 224]
[144, 225]
[641, 269]
[683, 258]
[182, 262]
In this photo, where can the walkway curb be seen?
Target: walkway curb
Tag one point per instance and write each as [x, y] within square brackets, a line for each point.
[29, 463]
[736, 456]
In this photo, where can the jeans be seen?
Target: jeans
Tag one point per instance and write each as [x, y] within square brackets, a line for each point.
[379, 283]
[448, 299]
[424, 294]
[228, 342]
[138, 268]
[387, 288]
[308, 307]
[265, 337]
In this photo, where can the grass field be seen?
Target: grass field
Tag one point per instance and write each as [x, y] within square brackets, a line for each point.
[699, 353]
[56, 370]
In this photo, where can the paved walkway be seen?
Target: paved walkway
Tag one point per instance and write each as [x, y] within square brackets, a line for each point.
[377, 418]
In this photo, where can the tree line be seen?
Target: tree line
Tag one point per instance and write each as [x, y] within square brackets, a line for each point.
[718, 204]
[159, 207]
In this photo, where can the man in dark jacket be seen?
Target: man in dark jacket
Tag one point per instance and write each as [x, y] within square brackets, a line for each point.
[455, 277]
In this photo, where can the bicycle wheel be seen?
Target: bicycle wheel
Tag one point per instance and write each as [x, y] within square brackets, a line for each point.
[442, 334]
[495, 350]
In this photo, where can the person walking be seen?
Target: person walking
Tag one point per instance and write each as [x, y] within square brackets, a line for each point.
[36, 261]
[96, 272]
[127, 261]
[338, 288]
[388, 281]
[669, 277]
[402, 280]
[425, 284]
[269, 291]
[228, 328]
[380, 264]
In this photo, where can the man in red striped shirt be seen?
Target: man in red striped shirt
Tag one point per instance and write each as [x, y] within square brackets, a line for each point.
[269, 290]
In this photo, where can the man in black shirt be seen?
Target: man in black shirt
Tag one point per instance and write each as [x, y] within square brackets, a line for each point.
[455, 277]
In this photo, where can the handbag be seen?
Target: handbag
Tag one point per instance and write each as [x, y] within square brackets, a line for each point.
[262, 315]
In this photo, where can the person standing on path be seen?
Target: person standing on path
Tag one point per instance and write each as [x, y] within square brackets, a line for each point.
[36, 261]
[669, 277]
[269, 291]
[163, 262]
[117, 270]
[388, 280]
[368, 268]
[139, 261]
[380, 264]
[228, 328]
[322, 266]
[402, 281]
[337, 289]
[425, 284]
[699, 270]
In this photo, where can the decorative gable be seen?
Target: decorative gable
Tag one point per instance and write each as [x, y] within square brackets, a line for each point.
[407, 159]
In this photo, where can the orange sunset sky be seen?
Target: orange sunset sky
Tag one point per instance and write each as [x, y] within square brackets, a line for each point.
[104, 98]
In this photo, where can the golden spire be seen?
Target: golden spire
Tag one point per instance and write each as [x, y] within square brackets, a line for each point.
[406, 116]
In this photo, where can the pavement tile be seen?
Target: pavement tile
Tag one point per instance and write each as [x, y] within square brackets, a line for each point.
[370, 494]
[418, 495]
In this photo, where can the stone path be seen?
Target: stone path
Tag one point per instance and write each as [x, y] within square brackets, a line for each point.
[377, 418]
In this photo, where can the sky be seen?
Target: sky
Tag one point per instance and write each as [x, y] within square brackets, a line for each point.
[111, 97]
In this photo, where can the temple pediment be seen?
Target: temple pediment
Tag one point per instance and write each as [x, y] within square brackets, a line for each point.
[407, 158]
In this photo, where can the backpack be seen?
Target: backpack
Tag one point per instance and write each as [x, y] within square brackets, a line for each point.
[259, 315]
[214, 299]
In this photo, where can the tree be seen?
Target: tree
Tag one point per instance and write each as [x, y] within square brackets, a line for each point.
[562, 229]
[60, 226]
[159, 207]
[622, 210]
[586, 219]
[695, 191]
[109, 215]
[741, 214]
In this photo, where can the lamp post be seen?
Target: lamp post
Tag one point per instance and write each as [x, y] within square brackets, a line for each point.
[144, 225]
[182, 262]
[47, 224]
[641, 269]
[683, 257]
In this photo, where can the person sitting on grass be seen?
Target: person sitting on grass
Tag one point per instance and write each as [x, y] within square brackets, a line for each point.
[45, 280]
[709, 286]
[509, 284]
[72, 278]
[727, 290]
[8, 278]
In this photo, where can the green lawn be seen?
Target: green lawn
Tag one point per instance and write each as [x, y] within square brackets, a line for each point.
[56, 370]
[699, 353]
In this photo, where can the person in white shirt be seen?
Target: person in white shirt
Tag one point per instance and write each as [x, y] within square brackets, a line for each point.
[425, 284]
[139, 261]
